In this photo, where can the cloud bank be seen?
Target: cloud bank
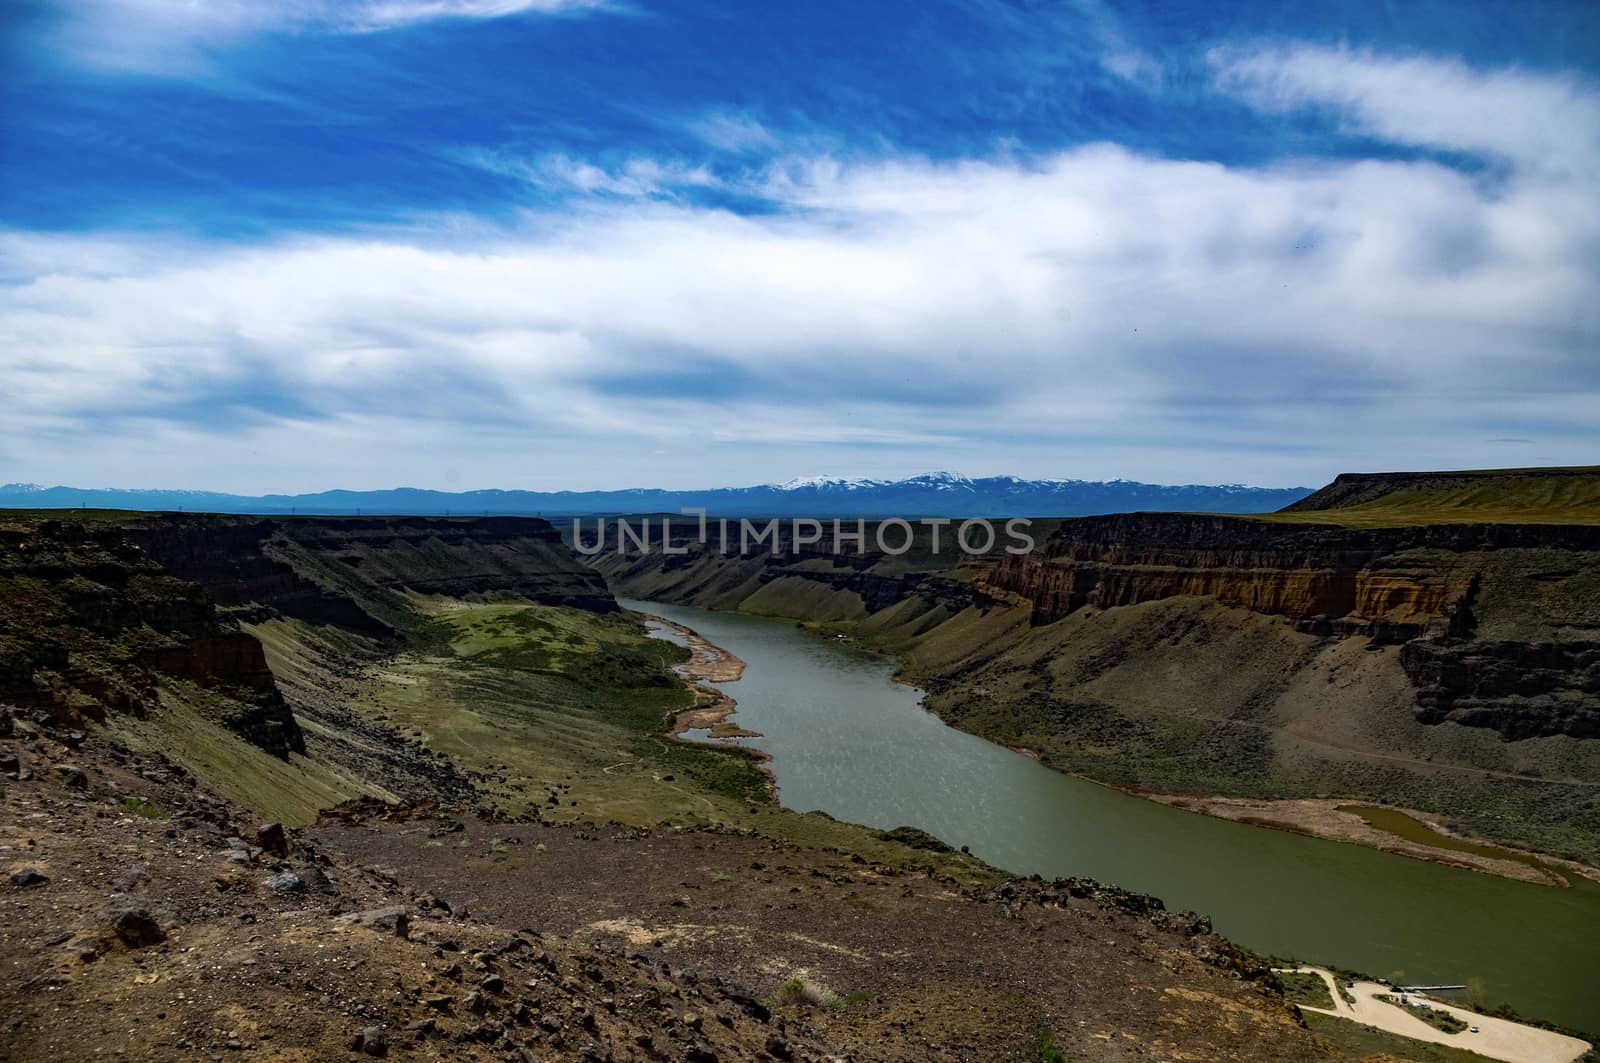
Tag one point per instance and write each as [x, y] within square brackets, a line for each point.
[1092, 311]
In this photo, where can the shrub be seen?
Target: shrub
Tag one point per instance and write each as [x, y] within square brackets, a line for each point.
[801, 990]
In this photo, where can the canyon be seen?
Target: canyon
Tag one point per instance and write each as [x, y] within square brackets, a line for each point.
[279, 667]
[1444, 664]
[185, 698]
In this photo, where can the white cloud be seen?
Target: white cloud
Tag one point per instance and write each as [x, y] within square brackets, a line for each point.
[177, 37]
[639, 177]
[387, 14]
[1541, 121]
[1093, 312]
[733, 132]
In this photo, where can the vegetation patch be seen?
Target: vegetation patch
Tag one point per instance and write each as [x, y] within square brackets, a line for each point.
[138, 806]
[1048, 1052]
[1304, 987]
[1438, 1018]
[799, 990]
[1360, 1042]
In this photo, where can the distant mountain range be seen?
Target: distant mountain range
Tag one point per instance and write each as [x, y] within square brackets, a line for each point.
[939, 494]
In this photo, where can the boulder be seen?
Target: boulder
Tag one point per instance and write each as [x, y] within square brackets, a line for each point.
[24, 877]
[286, 882]
[384, 920]
[372, 1041]
[271, 839]
[135, 926]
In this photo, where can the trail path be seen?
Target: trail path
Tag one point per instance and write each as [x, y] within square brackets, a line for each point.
[1512, 1042]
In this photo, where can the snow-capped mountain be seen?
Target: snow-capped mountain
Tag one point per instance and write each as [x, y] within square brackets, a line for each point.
[934, 494]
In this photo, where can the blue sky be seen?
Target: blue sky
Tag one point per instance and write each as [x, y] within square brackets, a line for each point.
[556, 244]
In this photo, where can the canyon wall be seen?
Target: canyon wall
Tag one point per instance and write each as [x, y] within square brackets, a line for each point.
[1413, 586]
[96, 609]
[90, 624]
[347, 571]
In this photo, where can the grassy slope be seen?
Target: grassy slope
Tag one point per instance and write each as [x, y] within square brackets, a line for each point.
[546, 701]
[1360, 1042]
[181, 728]
[1496, 496]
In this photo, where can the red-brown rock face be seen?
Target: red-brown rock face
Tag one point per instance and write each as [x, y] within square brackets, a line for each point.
[1304, 572]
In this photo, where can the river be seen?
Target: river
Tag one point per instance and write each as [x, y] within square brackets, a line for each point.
[848, 740]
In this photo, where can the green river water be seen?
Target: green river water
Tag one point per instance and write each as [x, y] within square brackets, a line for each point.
[847, 740]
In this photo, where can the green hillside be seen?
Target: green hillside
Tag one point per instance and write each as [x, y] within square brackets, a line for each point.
[1499, 496]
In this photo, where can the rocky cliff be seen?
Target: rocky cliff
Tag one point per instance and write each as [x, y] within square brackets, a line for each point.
[90, 624]
[96, 609]
[1410, 585]
[1301, 571]
[348, 571]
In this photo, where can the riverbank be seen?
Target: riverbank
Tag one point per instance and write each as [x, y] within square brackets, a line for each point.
[1328, 818]
[707, 664]
[1334, 819]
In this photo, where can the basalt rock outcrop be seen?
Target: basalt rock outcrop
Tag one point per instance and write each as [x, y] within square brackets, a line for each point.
[1409, 585]
[346, 571]
[1522, 690]
[1301, 571]
[720, 575]
[90, 624]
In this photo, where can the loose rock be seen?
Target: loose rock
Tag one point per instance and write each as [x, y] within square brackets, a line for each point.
[271, 839]
[385, 920]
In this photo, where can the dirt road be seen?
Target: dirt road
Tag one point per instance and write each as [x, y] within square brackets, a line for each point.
[1500, 1039]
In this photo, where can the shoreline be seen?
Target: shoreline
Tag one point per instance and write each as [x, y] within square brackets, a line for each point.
[1314, 817]
[708, 663]
[1321, 818]
[1326, 818]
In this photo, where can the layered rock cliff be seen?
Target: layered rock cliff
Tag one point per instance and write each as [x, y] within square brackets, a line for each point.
[90, 624]
[96, 610]
[1409, 585]
[347, 571]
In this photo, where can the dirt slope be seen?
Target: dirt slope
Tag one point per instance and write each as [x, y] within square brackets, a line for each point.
[145, 918]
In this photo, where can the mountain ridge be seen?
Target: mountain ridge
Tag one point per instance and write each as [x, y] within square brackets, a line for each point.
[930, 494]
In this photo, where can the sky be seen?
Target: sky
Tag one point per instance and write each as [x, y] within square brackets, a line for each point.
[294, 245]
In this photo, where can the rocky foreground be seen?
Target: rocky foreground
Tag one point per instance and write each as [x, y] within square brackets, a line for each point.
[146, 919]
